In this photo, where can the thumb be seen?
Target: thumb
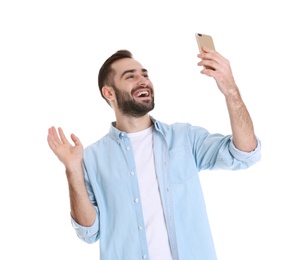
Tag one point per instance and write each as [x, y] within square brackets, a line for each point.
[76, 140]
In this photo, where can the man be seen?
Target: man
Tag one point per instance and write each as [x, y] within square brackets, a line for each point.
[137, 189]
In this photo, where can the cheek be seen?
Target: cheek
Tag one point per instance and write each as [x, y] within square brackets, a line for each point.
[126, 86]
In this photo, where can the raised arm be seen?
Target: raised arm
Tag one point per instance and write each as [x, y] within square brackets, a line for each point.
[241, 123]
[71, 156]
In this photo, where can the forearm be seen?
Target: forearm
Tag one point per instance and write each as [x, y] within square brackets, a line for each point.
[241, 123]
[82, 209]
[242, 127]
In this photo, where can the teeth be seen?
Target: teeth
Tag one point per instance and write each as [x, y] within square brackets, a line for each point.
[143, 93]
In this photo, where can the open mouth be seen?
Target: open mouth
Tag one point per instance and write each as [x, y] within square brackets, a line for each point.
[142, 93]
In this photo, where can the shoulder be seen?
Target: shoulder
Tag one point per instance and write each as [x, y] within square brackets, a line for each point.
[178, 128]
[100, 142]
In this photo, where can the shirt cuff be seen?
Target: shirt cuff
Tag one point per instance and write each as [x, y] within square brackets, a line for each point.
[252, 156]
[86, 232]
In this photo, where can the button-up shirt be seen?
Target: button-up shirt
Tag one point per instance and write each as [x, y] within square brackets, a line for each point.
[180, 152]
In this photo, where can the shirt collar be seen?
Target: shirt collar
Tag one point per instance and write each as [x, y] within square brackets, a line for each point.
[117, 134]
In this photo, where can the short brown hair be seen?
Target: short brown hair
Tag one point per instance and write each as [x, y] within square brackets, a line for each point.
[106, 73]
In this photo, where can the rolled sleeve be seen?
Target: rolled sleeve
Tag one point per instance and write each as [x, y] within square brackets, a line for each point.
[249, 158]
[88, 234]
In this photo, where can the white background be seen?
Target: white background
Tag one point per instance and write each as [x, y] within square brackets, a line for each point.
[50, 55]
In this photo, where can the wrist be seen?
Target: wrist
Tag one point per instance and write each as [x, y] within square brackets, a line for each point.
[74, 173]
[233, 96]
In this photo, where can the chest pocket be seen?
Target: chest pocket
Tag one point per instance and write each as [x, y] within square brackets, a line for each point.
[181, 165]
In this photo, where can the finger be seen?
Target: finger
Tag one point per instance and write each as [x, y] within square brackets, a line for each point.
[208, 72]
[209, 64]
[213, 55]
[53, 136]
[53, 133]
[62, 136]
[206, 49]
[76, 140]
[52, 140]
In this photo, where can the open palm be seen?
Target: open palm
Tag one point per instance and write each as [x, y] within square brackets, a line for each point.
[70, 155]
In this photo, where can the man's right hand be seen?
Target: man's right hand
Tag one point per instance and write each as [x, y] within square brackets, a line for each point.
[70, 155]
[82, 210]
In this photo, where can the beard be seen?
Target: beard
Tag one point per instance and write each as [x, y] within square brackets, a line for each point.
[130, 107]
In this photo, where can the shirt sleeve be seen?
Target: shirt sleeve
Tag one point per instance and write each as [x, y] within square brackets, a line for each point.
[246, 158]
[87, 234]
[218, 152]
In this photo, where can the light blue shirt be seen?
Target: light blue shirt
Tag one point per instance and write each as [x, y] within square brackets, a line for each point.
[180, 152]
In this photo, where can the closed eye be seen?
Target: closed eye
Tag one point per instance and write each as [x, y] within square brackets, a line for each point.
[130, 77]
[129, 74]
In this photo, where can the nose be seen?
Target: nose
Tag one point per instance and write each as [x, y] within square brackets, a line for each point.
[144, 81]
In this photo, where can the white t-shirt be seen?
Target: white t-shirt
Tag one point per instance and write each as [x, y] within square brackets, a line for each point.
[156, 232]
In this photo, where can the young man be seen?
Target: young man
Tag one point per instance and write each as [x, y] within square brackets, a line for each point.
[137, 189]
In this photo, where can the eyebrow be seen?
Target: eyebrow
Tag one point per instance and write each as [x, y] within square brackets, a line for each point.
[131, 71]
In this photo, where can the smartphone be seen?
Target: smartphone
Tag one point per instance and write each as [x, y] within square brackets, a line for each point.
[204, 40]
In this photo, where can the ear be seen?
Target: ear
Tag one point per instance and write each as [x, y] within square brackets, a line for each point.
[108, 92]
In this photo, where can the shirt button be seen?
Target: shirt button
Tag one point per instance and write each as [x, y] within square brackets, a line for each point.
[132, 173]
[122, 134]
[140, 227]
[127, 148]
[144, 256]
[136, 200]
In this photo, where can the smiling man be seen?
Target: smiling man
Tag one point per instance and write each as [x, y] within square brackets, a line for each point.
[130, 92]
[137, 189]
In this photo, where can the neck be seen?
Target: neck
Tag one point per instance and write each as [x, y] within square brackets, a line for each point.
[133, 124]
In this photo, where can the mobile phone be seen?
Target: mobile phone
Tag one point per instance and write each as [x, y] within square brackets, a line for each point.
[204, 40]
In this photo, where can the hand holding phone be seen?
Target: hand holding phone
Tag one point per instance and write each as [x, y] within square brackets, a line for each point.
[204, 40]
